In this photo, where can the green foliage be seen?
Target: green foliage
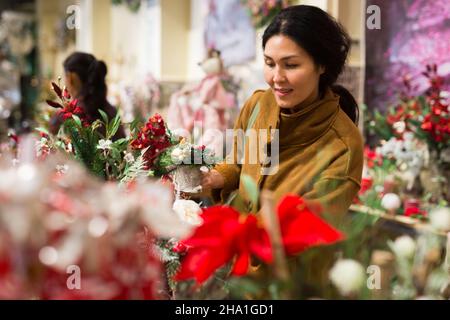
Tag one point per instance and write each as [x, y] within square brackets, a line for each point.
[84, 142]
[251, 189]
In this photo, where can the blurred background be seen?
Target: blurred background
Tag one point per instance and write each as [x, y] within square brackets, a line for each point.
[143, 41]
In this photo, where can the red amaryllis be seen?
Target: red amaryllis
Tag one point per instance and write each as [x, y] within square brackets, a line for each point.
[225, 234]
[301, 228]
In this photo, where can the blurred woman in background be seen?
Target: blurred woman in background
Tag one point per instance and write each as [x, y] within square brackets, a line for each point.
[85, 81]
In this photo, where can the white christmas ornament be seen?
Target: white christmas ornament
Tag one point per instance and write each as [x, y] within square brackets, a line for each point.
[348, 276]
[390, 201]
[404, 247]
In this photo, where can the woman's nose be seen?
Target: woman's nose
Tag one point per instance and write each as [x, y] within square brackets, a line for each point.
[279, 75]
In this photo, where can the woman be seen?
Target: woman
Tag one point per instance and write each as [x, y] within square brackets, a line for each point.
[85, 81]
[320, 146]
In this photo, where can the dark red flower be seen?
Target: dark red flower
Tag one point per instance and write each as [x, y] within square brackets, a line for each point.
[57, 90]
[153, 136]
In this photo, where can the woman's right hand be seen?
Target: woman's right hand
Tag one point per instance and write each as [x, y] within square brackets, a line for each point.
[212, 180]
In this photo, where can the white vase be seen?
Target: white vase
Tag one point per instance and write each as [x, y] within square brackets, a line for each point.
[187, 179]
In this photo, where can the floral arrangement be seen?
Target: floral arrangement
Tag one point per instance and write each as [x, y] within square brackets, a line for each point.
[408, 170]
[68, 107]
[151, 150]
[225, 235]
[263, 11]
[60, 242]
[427, 115]
[168, 155]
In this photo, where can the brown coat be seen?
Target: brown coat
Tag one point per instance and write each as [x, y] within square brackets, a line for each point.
[320, 154]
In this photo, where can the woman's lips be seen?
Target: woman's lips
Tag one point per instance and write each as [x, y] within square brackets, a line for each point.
[282, 92]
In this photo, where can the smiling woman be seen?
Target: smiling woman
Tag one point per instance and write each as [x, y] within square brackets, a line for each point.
[320, 147]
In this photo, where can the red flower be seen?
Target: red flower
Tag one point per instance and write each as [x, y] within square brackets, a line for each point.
[225, 235]
[153, 136]
[372, 158]
[412, 208]
[301, 228]
[366, 184]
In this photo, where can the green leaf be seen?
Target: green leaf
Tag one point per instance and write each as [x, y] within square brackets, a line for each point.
[112, 129]
[104, 116]
[77, 120]
[251, 189]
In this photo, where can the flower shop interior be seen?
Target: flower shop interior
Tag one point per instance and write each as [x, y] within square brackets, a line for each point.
[108, 209]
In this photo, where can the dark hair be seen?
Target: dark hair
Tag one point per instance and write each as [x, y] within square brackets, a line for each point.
[92, 73]
[326, 42]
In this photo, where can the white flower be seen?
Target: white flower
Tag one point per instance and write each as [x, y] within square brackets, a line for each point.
[188, 211]
[104, 144]
[440, 218]
[348, 276]
[390, 201]
[404, 247]
[128, 157]
[179, 154]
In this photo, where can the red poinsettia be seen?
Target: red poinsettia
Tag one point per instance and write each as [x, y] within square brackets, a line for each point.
[226, 235]
[68, 107]
[153, 136]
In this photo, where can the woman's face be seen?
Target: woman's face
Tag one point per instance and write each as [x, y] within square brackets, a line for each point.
[291, 73]
[73, 83]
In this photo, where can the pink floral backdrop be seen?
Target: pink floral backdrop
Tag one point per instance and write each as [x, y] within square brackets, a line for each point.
[413, 33]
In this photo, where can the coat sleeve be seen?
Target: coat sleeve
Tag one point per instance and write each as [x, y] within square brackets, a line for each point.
[230, 168]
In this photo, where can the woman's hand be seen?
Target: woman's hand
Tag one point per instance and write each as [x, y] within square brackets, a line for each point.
[212, 180]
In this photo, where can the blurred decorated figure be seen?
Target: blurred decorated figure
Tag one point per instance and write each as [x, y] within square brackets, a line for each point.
[203, 111]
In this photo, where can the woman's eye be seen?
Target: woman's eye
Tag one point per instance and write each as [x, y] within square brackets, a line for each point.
[291, 66]
[270, 64]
